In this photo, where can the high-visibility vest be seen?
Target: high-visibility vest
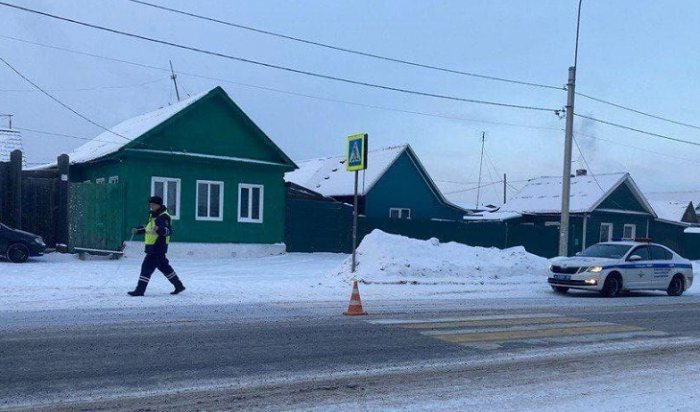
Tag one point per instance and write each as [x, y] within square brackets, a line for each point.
[151, 236]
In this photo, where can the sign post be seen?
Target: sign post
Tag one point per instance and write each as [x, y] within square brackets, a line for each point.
[356, 161]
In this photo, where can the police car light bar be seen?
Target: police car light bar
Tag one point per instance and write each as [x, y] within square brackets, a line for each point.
[637, 239]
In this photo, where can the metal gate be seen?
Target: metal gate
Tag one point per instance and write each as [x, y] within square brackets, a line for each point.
[97, 216]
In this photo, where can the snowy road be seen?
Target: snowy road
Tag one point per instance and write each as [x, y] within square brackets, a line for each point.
[544, 353]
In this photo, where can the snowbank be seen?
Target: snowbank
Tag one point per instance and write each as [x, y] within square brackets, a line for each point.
[387, 258]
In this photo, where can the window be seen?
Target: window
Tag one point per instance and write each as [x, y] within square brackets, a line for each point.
[250, 203]
[169, 189]
[642, 251]
[659, 253]
[210, 200]
[629, 232]
[399, 213]
[606, 230]
[100, 181]
[113, 179]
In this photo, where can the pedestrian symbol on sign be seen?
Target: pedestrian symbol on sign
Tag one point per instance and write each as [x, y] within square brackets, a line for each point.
[357, 152]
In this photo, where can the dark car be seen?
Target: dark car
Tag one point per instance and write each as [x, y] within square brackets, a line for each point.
[17, 245]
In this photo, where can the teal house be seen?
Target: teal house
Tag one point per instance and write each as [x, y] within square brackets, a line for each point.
[603, 207]
[221, 176]
[394, 186]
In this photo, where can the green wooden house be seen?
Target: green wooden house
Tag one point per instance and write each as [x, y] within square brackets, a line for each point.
[603, 207]
[394, 186]
[220, 175]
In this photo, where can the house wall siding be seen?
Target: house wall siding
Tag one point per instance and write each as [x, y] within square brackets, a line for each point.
[187, 228]
[403, 186]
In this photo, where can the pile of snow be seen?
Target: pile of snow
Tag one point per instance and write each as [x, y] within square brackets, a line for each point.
[387, 258]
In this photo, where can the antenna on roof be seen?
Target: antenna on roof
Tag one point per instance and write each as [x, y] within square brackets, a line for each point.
[9, 119]
[481, 163]
[174, 77]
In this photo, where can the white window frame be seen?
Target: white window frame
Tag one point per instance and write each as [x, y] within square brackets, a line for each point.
[634, 231]
[100, 181]
[113, 179]
[610, 232]
[165, 181]
[402, 212]
[250, 188]
[209, 184]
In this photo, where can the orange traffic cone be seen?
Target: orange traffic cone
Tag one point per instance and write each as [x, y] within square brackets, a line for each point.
[355, 308]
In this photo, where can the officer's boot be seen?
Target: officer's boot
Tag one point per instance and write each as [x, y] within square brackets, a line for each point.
[175, 280]
[140, 287]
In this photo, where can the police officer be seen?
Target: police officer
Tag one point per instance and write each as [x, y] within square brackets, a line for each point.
[157, 237]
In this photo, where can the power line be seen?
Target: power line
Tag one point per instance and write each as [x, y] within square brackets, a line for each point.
[347, 50]
[84, 89]
[278, 67]
[653, 116]
[620, 126]
[49, 95]
[588, 167]
[56, 100]
[254, 86]
[637, 148]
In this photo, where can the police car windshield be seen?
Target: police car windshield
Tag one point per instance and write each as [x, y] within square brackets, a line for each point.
[606, 250]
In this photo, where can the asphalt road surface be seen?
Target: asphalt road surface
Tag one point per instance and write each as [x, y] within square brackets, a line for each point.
[441, 355]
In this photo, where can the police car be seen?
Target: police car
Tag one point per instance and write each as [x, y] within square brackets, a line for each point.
[613, 267]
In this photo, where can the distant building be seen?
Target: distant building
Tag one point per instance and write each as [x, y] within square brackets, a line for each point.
[603, 207]
[394, 186]
[10, 140]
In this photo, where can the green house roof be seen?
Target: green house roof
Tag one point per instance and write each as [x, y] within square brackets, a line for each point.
[134, 133]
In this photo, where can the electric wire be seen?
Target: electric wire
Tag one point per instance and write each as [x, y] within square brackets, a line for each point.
[279, 67]
[85, 89]
[49, 95]
[653, 116]
[345, 49]
[621, 126]
[282, 91]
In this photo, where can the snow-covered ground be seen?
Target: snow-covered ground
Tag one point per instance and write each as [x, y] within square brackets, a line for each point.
[394, 268]
[388, 258]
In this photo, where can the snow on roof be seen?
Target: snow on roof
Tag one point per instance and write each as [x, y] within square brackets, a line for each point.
[693, 230]
[123, 133]
[679, 196]
[497, 216]
[328, 176]
[543, 194]
[10, 140]
[460, 194]
[670, 210]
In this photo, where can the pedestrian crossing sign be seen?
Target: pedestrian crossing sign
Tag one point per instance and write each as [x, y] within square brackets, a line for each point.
[357, 152]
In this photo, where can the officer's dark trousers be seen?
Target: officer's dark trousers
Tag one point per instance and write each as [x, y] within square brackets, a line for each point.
[156, 261]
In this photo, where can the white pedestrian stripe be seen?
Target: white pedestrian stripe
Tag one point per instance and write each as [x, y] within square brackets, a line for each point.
[463, 319]
[491, 332]
[514, 328]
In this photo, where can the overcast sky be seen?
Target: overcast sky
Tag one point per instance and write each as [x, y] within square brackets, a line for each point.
[642, 54]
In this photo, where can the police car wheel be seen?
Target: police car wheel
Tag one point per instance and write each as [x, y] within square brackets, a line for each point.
[17, 253]
[675, 288]
[612, 286]
[560, 289]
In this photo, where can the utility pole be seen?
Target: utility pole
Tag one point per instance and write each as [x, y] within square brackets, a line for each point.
[505, 183]
[481, 163]
[174, 77]
[569, 136]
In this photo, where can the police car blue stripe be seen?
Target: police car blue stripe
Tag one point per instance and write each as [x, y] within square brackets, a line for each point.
[647, 265]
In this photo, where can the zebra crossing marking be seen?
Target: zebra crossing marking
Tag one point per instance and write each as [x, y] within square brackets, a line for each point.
[491, 332]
